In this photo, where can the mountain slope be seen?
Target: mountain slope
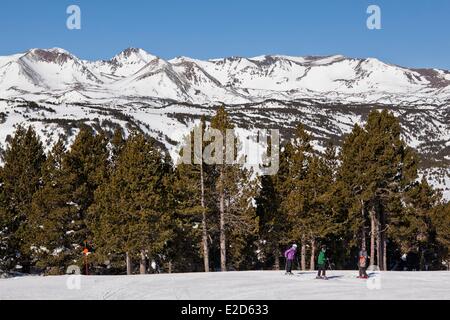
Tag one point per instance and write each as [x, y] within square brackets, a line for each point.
[137, 90]
[43, 73]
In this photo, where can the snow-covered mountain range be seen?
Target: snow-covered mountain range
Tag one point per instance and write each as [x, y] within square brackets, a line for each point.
[57, 75]
[164, 98]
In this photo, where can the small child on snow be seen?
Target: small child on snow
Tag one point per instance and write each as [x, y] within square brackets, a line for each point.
[289, 255]
[321, 263]
[362, 264]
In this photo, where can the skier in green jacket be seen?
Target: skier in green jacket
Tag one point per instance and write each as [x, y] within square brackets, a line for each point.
[321, 263]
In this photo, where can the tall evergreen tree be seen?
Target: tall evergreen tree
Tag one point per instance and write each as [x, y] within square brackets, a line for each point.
[222, 123]
[4, 224]
[275, 226]
[52, 215]
[352, 189]
[440, 218]
[130, 216]
[319, 217]
[376, 166]
[412, 223]
[231, 187]
[241, 219]
[296, 201]
[391, 167]
[272, 219]
[192, 187]
[21, 176]
[85, 168]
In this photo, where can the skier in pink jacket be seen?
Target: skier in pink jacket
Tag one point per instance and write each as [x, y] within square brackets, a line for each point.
[290, 255]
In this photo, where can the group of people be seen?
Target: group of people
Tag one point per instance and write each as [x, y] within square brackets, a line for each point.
[322, 261]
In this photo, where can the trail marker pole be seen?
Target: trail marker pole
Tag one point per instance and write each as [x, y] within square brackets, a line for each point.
[86, 252]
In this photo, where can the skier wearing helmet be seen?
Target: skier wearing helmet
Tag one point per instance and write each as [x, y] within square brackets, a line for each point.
[290, 255]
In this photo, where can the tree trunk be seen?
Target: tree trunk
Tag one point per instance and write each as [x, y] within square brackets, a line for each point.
[379, 253]
[312, 265]
[143, 264]
[303, 255]
[384, 241]
[223, 249]
[204, 226]
[170, 266]
[380, 237]
[128, 262]
[379, 243]
[276, 254]
[363, 230]
[373, 233]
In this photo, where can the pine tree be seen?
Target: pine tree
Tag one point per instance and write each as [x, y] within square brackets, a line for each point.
[376, 167]
[319, 217]
[296, 201]
[352, 191]
[412, 225]
[241, 219]
[85, 168]
[222, 123]
[130, 215]
[272, 220]
[191, 189]
[21, 176]
[275, 227]
[310, 196]
[4, 223]
[440, 218]
[232, 187]
[49, 224]
[391, 167]
[332, 198]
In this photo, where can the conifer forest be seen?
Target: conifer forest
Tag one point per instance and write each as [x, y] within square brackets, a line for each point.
[124, 199]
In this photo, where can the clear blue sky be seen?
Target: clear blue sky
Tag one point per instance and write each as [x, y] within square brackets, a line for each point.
[414, 33]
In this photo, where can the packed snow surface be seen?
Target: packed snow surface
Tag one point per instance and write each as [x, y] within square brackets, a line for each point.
[268, 285]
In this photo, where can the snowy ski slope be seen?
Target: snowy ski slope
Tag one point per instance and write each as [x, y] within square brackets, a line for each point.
[245, 285]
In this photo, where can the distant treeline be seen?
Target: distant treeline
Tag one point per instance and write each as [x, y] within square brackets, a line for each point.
[129, 204]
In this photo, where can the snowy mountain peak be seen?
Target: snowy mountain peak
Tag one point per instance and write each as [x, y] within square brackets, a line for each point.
[182, 59]
[137, 73]
[55, 50]
[133, 55]
[124, 64]
[54, 55]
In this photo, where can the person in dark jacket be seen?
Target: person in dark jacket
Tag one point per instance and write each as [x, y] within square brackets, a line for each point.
[321, 263]
[362, 264]
[290, 255]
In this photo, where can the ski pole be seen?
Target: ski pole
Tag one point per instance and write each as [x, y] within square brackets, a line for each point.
[329, 265]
